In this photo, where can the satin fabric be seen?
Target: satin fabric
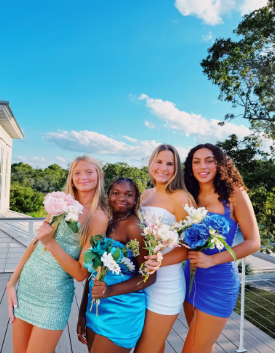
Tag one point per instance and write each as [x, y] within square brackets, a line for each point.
[120, 318]
[215, 289]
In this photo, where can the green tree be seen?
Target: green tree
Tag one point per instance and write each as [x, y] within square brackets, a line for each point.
[121, 169]
[25, 199]
[258, 171]
[244, 70]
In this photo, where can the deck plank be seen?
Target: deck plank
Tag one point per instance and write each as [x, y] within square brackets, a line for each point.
[256, 341]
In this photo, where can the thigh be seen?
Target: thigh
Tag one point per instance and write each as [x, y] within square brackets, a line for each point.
[104, 345]
[90, 335]
[155, 331]
[21, 333]
[43, 341]
[189, 311]
[203, 333]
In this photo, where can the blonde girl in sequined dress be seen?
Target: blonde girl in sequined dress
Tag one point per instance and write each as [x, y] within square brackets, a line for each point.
[40, 309]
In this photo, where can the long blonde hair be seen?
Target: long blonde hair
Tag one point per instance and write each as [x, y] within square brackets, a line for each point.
[98, 199]
[176, 182]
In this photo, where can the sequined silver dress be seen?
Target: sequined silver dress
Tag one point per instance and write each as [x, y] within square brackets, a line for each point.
[45, 291]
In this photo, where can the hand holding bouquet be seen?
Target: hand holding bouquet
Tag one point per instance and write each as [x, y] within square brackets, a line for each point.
[201, 231]
[158, 236]
[103, 257]
[61, 207]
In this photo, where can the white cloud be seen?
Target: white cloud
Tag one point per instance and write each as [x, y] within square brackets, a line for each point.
[211, 11]
[31, 160]
[250, 5]
[130, 139]
[208, 37]
[94, 143]
[202, 129]
[149, 124]
[61, 159]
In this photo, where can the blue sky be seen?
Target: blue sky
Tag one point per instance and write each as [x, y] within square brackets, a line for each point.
[113, 79]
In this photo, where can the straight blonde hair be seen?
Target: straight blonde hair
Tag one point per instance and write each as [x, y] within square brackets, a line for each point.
[98, 199]
[176, 182]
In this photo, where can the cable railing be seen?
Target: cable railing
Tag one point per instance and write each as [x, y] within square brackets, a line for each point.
[249, 303]
[256, 304]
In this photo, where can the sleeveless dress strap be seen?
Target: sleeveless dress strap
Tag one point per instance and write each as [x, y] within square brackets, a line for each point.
[227, 210]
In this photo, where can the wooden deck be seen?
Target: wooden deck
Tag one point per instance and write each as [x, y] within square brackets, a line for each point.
[256, 341]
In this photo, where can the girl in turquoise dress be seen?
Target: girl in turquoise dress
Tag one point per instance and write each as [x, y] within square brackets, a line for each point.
[40, 308]
[121, 311]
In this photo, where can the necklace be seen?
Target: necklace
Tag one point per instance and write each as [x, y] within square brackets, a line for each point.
[116, 220]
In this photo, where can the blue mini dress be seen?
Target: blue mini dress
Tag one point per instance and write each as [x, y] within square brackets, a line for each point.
[120, 318]
[215, 289]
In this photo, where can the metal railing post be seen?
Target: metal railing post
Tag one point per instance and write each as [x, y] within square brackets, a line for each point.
[30, 234]
[241, 347]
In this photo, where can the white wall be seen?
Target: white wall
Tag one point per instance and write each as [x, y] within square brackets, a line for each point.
[5, 168]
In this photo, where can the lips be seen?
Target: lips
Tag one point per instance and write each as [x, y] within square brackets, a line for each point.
[203, 175]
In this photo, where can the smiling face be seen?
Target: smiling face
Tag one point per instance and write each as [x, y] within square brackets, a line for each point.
[85, 176]
[203, 165]
[163, 167]
[122, 197]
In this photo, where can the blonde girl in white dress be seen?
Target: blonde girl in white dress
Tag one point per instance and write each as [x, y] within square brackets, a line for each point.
[164, 299]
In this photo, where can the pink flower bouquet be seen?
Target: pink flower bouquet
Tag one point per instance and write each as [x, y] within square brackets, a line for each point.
[61, 207]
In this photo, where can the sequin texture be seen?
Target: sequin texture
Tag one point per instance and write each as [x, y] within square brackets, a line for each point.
[45, 290]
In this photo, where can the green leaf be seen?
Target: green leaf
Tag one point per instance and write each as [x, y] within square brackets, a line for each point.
[228, 248]
[73, 226]
[97, 238]
[89, 256]
[97, 262]
[116, 254]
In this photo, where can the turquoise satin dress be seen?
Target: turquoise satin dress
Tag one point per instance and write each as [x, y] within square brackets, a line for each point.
[120, 318]
[45, 290]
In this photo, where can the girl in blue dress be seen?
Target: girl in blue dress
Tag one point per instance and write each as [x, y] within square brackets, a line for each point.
[40, 308]
[121, 311]
[216, 184]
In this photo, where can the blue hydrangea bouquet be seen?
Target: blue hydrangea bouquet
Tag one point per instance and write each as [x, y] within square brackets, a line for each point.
[203, 231]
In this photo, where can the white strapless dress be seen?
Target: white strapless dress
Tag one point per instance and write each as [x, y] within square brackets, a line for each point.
[167, 294]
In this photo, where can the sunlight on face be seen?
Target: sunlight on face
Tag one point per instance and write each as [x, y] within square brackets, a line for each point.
[163, 167]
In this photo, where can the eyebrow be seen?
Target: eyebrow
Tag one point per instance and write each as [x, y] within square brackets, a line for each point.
[166, 162]
[125, 191]
[205, 157]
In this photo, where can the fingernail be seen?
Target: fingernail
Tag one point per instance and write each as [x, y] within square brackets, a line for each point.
[15, 306]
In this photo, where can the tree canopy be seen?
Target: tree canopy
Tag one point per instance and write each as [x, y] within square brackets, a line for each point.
[244, 69]
[258, 171]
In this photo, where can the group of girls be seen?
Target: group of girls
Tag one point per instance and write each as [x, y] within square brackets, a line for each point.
[133, 313]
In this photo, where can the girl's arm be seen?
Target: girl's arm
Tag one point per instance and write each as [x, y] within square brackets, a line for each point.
[75, 268]
[11, 291]
[246, 219]
[81, 323]
[134, 284]
[177, 255]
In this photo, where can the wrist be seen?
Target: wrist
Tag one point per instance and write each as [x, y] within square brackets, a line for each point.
[213, 260]
[49, 246]
[10, 284]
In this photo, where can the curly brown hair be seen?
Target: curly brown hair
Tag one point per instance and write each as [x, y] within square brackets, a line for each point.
[119, 180]
[227, 175]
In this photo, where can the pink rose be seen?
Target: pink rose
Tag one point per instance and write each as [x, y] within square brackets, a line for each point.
[69, 199]
[54, 203]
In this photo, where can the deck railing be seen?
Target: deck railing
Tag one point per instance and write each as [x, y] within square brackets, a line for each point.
[31, 220]
[241, 349]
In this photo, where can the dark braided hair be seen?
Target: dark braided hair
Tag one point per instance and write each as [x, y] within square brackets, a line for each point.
[227, 175]
[119, 180]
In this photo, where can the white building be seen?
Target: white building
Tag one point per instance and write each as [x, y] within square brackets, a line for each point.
[9, 130]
